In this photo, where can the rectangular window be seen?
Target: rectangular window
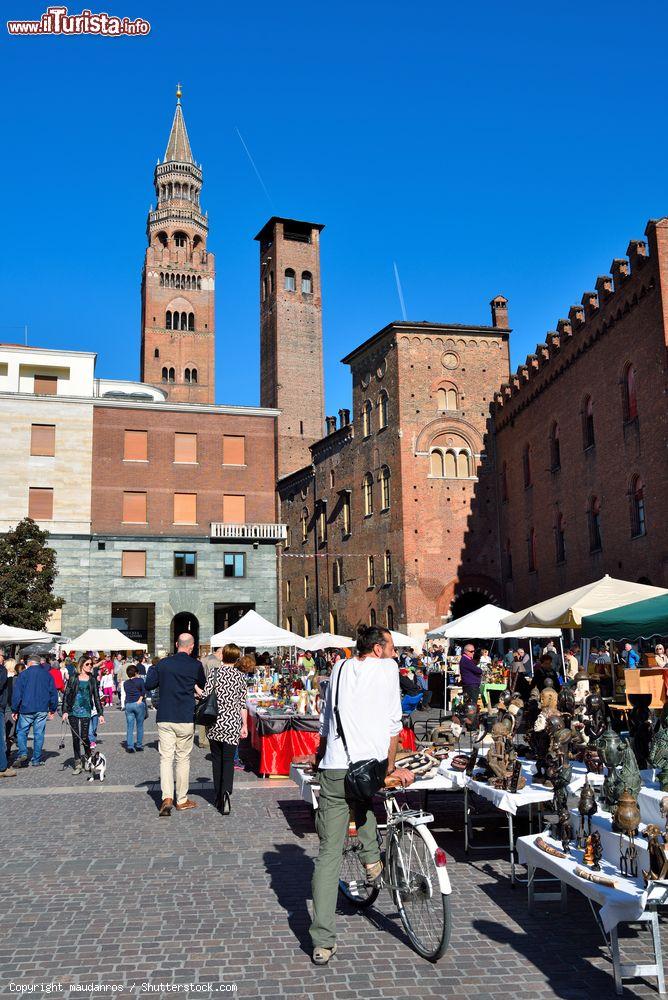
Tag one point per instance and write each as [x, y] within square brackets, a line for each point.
[234, 509]
[346, 514]
[134, 508]
[234, 564]
[40, 503]
[185, 448]
[46, 385]
[135, 446]
[185, 508]
[133, 564]
[185, 564]
[43, 439]
[234, 449]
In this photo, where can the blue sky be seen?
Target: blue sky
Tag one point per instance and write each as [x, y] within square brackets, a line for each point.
[487, 148]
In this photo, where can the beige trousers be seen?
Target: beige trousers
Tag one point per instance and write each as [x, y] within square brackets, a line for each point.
[175, 743]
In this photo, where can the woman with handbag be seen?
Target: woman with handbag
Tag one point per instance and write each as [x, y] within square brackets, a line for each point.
[135, 710]
[80, 700]
[228, 725]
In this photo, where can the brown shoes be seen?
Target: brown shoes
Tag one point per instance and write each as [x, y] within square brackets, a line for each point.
[188, 804]
[166, 807]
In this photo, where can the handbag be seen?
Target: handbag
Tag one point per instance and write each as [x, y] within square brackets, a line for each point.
[364, 777]
[206, 711]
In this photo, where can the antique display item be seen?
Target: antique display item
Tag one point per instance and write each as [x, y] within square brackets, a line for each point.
[640, 727]
[658, 751]
[543, 845]
[658, 865]
[593, 877]
[586, 807]
[623, 774]
[626, 819]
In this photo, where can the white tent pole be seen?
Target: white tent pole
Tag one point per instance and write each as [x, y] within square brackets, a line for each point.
[563, 662]
[531, 657]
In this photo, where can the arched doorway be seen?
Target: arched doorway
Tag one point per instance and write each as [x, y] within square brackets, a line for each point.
[467, 602]
[185, 621]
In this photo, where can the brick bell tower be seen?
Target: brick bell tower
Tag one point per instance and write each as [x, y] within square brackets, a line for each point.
[291, 375]
[178, 279]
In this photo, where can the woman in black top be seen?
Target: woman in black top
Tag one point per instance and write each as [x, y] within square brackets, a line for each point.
[135, 709]
[230, 725]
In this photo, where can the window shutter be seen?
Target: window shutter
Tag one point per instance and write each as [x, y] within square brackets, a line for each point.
[185, 448]
[43, 439]
[135, 446]
[134, 508]
[185, 508]
[40, 503]
[234, 449]
[133, 564]
[46, 385]
[234, 509]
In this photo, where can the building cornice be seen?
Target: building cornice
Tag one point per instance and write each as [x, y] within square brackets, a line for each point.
[155, 405]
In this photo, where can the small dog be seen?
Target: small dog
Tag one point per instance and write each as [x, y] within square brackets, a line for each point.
[96, 763]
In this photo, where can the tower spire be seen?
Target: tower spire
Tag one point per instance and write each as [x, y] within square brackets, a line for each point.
[178, 146]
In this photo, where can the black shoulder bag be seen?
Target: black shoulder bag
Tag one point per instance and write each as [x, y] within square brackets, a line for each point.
[206, 710]
[364, 777]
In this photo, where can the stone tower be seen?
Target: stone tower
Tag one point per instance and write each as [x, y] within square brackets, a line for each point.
[178, 279]
[291, 337]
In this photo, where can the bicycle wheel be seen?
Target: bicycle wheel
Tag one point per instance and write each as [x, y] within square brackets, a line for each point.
[424, 910]
[352, 880]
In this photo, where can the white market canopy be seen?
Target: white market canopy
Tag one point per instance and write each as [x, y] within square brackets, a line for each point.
[403, 641]
[101, 639]
[8, 633]
[254, 630]
[326, 640]
[567, 610]
[485, 623]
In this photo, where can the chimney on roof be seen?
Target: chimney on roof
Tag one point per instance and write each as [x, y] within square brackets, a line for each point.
[344, 418]
[330, 423]
[637, 254]
[499, 306]
[620, 271]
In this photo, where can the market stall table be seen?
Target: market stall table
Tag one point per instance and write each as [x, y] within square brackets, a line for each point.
[279, 737]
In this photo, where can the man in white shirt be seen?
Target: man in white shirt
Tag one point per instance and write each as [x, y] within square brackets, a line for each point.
[369, 706]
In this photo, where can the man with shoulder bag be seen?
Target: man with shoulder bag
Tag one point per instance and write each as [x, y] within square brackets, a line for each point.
[359, 735]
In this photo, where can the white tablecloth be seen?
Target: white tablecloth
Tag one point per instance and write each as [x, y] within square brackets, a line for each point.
[510, 802]
[602, 822]
[625, 902]
[306, 783]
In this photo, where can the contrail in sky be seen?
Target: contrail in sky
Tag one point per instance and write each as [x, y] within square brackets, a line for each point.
[257, 172]
[401, 294]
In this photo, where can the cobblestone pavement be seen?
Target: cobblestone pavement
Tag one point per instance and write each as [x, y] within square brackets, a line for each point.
[96, 889]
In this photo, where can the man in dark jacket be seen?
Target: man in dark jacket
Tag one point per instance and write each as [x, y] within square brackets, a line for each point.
[5, 770]
[34, 699]
[470, 673]
[176, 677]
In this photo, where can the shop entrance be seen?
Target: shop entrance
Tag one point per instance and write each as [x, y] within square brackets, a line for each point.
[185, 621]
[225, 615]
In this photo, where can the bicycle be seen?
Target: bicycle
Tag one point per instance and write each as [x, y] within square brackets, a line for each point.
[414, 873]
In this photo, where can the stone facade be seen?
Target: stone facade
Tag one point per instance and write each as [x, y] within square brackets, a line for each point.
[610, 455]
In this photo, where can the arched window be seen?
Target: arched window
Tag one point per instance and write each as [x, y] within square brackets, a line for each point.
[345, 511]
[588, 438]
[199, 284]
[463, 466]
[637, 497]
[264, 289]
[172, 281]
[594, 519]
[180, 240]
[191, 321]
[389, 617]
[555, 448]
[447, 398]
[436, 465]
[559, 538]
[526, 466]
[165, 374]
[384, 488]
[372, 617]
[304, 523]
[531, 554]
[307, 283]
[178, 281]
[175, 321]
[370, 572]
[367, 490]
[177, 190]
[629, 397]
[383, 401]
[193, 374]
[387, 566]
[172, 375]
[271, 281]
[337, 574]
[450, 465]
[186, 375]
[184, 321]
[168, 320]
[156, 353]
[162, 278]
[366, 419]
[509, 560]
[289, 283]
[169, 190]
[504, 483]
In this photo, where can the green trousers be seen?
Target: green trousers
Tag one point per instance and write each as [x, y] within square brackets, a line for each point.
[332, 818]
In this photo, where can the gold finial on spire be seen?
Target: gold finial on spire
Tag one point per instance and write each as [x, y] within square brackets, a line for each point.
[178, 93]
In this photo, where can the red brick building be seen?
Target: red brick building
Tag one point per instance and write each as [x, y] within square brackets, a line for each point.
[581, 431]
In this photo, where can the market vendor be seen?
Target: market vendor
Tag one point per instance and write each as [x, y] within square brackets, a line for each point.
[470, 673]
[544, 670]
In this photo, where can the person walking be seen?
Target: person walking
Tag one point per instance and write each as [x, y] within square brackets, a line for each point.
[34, 699]
[470, 673]
[80, 701]
[364, 696]
[5, 770]
[177, 677]
[231, 723]
[135, 710]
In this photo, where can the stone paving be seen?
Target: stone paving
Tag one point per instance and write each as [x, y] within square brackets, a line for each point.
[97, 890]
